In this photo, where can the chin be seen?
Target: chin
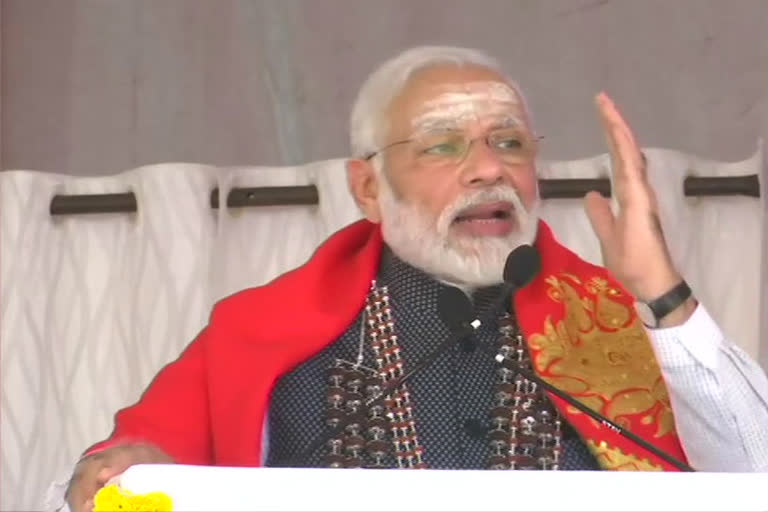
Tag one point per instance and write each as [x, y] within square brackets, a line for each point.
[479, 262]
[433, 245]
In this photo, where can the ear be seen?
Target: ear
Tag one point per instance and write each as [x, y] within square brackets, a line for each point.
[364, 186]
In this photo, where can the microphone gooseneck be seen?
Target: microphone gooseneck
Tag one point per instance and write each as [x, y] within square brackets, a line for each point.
[522, 265]
[533, 376]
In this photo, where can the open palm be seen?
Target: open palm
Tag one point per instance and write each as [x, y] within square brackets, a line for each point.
[632, 241]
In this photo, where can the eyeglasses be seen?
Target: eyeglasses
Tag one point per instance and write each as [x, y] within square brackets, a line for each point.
[451, 148]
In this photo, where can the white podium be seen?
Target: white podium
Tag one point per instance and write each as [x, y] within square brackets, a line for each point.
[202, 488]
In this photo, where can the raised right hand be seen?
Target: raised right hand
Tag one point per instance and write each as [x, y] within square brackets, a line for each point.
[94, 471]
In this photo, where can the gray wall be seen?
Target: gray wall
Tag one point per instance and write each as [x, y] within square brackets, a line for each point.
[99, 86]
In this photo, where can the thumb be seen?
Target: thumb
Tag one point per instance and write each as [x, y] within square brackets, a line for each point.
[601, 217]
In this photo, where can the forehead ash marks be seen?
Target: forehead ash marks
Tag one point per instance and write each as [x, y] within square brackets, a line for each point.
[456, 105]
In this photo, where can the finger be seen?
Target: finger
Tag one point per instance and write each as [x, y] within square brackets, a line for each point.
[623, 141]
[601, 217]
[612, 137]
[629, 178]
[629, 154]
[603, 107]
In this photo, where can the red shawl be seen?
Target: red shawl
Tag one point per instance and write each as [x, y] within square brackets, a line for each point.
[208, 406]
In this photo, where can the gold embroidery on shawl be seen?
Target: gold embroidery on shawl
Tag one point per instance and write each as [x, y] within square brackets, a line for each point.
[599, 352]
[616, 460]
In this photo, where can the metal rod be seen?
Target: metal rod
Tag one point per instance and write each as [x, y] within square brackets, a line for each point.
[268, 196]
[730, 186]
[94, 203]
[573, 189]
[308, 195]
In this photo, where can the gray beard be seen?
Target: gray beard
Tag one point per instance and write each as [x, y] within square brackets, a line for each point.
[428, 244]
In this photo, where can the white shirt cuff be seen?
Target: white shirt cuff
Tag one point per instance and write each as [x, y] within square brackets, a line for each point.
[698, 340]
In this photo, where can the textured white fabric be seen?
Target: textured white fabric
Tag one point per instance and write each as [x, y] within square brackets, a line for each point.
[92, 306]
[255, 245]
[718, 393]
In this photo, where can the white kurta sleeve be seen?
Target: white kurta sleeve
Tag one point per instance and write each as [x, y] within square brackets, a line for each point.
[719, 396]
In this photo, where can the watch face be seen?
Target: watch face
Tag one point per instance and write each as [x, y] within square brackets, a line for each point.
[645, 314]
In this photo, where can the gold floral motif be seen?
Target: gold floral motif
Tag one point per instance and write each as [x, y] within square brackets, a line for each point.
[616, 460]
[608, 313]
[599, 352]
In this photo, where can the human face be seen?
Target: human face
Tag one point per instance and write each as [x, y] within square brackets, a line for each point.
[461, 194]
[472, 101]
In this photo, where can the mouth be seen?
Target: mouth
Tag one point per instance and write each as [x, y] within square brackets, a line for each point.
[491, 219]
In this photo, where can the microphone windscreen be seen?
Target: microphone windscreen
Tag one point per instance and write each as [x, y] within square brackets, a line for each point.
[522, 266]
[454, 307]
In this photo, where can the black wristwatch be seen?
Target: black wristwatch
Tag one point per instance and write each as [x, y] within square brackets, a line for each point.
[653, 311]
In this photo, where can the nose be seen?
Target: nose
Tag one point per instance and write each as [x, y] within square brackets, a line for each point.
[482, 166]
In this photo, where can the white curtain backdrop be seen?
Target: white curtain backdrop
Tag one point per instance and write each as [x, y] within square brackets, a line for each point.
[91, 306]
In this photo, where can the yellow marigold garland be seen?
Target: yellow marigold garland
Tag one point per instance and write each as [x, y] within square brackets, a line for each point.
[113, 499]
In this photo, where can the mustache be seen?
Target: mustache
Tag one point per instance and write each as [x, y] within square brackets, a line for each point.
[479, 197]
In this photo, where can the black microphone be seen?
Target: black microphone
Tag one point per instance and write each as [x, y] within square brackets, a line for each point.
[455, 308]
[521, 266]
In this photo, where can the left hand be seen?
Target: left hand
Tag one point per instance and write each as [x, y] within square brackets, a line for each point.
[632, 242]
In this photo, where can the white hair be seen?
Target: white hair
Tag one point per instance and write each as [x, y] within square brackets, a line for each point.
[368, 123]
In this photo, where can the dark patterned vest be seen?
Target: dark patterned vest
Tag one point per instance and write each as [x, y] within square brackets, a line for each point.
[451, 398]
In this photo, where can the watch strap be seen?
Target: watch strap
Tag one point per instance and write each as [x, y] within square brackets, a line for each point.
[668, 302]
